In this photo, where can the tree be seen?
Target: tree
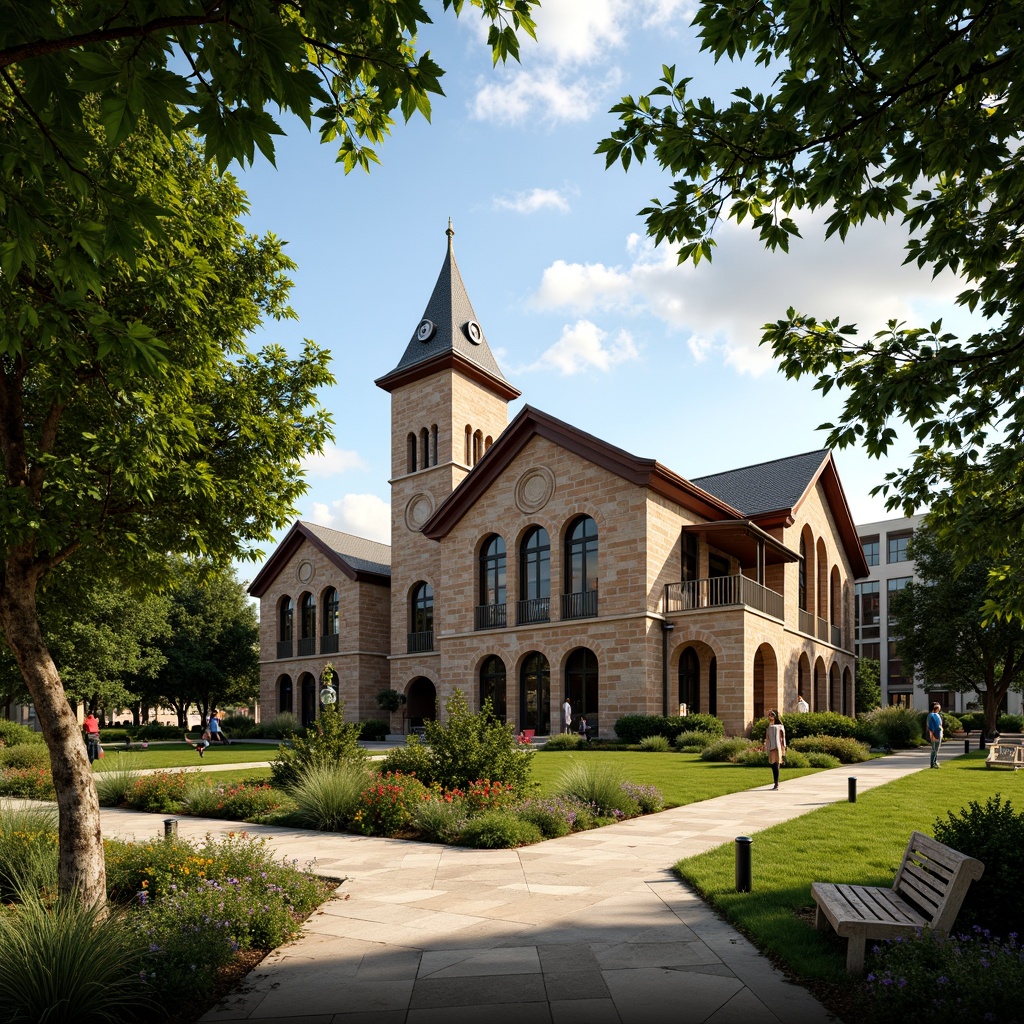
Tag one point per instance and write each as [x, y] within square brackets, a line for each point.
[868, 685]
[942, 632]
[212, 652]
[878, 111]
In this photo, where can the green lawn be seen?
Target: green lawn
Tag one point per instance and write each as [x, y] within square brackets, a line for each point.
[861, 843]
[180, 755]
[682, 778]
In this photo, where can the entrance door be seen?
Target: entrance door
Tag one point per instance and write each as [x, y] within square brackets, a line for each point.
[535, 694]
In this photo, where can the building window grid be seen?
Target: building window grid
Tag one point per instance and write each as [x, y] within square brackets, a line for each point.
[896, 546]
[870, 546]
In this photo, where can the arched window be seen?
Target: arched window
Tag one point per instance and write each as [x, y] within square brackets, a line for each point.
[329, 636]
[411, 446]
[307, 625]
[535, 694]
[424, 448]
[492, 685]
[490, 613]
[285, 619]
[284, 694]
[433, 454]
[581, 677]
[689, 680]
[802, 576]
[488, 442]
[469, 446]
[478, 446]
[421, 619]
[580, 571]
[534, 577]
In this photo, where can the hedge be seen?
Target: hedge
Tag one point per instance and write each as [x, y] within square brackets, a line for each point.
[633, 728]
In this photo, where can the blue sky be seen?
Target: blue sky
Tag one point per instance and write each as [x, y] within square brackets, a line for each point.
[590, 322]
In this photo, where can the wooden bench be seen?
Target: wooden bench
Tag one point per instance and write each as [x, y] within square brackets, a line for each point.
[929, 888]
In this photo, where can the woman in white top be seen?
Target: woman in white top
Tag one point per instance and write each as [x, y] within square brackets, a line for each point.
[775, 744]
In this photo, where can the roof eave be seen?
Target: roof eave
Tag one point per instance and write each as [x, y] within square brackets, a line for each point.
[450, 360]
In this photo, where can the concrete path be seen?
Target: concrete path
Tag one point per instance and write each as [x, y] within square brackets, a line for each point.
[592, 927]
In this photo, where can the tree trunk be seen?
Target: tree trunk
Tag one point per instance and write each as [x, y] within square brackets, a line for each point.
[81, 872]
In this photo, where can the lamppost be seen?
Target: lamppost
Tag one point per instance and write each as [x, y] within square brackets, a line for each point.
[328, 694]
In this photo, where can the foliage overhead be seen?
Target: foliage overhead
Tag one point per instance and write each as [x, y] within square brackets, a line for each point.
[877, 110]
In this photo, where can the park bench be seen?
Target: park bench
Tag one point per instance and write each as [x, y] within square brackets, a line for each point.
[930, 886]
[1005, 755]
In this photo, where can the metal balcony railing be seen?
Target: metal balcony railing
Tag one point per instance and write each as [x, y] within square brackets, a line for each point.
[837, 636]
[722, 591]
[582, 605]
[806, 622]
[329, 643]
[307, 645]
[423, 641]
[536, 609]
[284, 648]
[490, 616]
[823, 633]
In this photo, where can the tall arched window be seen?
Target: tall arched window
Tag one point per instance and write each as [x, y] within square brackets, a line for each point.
[421, 618]
[329, 634]
[284, 694]
[535, 694]
[534, 577]
[424, 447]
[410, 442]
[689, 680]
[433, 454]
[580, 571]
[478, 445]
[307, 625]
[492, 685]
[490, 613]
[581, 677]
[469, 446]
[285, 619]
[802, 576]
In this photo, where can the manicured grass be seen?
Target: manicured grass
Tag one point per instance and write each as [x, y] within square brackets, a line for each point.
[860, 843]
[180, 755]
[682, 778]
[239, 775]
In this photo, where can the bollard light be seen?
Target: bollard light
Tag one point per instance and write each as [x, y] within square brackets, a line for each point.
[967, 746]
[981, 740]
[851, 789]
[170, 828]
[743, 864]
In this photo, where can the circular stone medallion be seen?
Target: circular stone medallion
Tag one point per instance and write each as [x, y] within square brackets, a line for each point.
[419, 509]
[534, 489]
[304, 572]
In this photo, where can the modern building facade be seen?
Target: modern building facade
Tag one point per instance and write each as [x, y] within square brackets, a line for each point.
[530, 561]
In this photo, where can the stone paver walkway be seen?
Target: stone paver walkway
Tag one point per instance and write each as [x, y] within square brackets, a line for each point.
[589, 928]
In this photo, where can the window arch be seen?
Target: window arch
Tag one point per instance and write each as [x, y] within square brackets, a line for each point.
[581, 684]
[689, 680]
[307, 624]
[802, 576]
[492, 685]
[410, 442]
[284, 695]
[535, 694]
[424, 448]
[579, 599]
[490, 613]
[534, 577]
[285, 621]
[488, 441]
[433, 454]
[421, 618]
[478, 445]
[469, 445]
[329, 630]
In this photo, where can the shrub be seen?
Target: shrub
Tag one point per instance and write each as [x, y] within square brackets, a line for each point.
[374, 729]
[657, 744]
[950, 723]
[755, 757]
[565, 741]
[693, 741]
[994, 834]
[1010, 723]
[66, 964]
[330, 742]
[962, 979]
[633, 728]
[31, 783]
[385, 806]
[809, 723]
[846, 751]
[28, 851]
[118, 780]
[556, 816]
[159, 791]
[599, 785]
[441, 818]
[240, 726]
[390, 700]
[280, 727]
[725, 749]
[499, 830]
[648, 798]
[815, 759]
[412, 759]
[25, 755]
[893, 727]
[972, 721]
[156, 731]
[12, 734]
[327, 797]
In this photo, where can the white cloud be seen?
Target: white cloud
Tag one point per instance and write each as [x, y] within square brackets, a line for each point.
[364, 515]
[534, 200]
[547, 94]
[332, 462]
[582, 346]
[725, 304]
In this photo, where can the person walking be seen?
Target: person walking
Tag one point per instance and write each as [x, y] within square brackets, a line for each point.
[775, 744]
[216, 733]
[567, 715]
[91, 732]
[934, 727]
[801, 705]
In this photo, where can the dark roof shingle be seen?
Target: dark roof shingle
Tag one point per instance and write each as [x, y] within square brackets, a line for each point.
[766, 486]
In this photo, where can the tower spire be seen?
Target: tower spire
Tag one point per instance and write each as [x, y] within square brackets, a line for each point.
[450, 233]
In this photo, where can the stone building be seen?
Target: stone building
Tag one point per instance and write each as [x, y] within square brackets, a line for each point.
[530, 561]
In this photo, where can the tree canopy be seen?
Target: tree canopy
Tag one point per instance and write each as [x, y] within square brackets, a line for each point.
[877, 110]
[941, 633]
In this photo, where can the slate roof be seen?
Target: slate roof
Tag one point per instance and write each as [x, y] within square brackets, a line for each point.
[766, 486]
[450, 311]
[360, 553]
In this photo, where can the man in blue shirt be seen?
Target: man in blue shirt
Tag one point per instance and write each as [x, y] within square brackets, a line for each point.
[934, 727]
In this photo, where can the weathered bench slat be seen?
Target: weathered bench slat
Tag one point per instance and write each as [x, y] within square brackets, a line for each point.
[929, 887]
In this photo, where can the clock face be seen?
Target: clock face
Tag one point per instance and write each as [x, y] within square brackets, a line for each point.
[425, 331]
[473, 332]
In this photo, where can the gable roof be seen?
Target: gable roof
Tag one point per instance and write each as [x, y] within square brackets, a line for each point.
[456, 338]
[772, 492]
[361, 560]
[531, 423]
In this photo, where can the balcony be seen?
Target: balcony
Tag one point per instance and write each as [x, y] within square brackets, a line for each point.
[490, 616]
[806, 622]
[419, 642]
[536, 609]
[722, 592]
[579, 606]
[284, 648]
[329, 643]
[837, 636]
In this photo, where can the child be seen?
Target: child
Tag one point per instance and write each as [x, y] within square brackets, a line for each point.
[583, 728]
[203, 743]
